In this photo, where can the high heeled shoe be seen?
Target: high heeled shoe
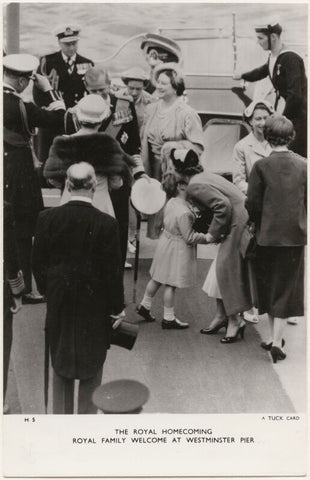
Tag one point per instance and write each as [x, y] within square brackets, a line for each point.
[212, 331]
[233, 339]
[267, 346]
[277, 354]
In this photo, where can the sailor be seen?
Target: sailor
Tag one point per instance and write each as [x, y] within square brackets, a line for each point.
[158, 49]
[136, 80]
[286, 70]
[65, 70]
[20, 181]
[122, 125]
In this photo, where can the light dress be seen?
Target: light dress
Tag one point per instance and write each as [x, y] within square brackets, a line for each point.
[174, 261]
[211, 286]
[101, 199]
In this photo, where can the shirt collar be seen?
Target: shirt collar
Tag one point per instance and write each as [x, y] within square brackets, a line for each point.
[65, 58]
[78, 198]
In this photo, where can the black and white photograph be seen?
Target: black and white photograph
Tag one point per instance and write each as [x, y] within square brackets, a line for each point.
[154, 239]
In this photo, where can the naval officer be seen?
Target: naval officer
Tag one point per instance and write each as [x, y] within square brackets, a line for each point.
[20, 181]
[65, 70]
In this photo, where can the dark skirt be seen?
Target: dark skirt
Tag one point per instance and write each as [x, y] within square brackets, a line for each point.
[279, 279]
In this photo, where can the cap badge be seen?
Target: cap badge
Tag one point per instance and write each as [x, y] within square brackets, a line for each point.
[68, 31]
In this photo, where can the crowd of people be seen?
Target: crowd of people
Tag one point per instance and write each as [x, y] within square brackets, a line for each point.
[93, 142]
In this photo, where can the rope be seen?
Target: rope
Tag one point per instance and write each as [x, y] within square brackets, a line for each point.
[121, 48]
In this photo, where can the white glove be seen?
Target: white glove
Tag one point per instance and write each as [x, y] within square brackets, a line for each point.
[42, 82]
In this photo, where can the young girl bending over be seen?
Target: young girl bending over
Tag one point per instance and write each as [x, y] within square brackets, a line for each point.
[174, 264]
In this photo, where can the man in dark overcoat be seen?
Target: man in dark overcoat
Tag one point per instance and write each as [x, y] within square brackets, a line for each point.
[76, 263]
[21, 184]
[122, 125]
[65, 70]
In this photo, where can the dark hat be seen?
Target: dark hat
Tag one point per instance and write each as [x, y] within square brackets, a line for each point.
[67, 33]
[121, 396]
[184, 159]
[152, 40]
[268, 28]
[21, 64]
[125, 335]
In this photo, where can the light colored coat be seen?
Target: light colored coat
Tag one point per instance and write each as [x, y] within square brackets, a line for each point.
[246, 152]
[210, 191]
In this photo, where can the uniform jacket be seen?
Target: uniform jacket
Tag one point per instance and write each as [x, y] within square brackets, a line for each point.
[246, 152]
[21, 185]
[209, 191]
[277, 197]
[289, 80]
[76, 263]
[128, 133]
[71, 86]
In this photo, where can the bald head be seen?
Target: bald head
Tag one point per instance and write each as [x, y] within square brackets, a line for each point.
[81, 179]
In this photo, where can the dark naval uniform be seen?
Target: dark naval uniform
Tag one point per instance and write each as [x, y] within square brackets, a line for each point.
[290, 82]
[70, 85]
[20, 182]
[123, 126]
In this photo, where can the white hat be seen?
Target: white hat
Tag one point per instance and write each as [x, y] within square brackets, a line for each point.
[92, 109]
[248, 112]
[67, 33]
[135, 73]
[21, 63]
[148, 197]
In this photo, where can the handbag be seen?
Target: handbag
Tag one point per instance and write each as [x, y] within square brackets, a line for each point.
[247, 245]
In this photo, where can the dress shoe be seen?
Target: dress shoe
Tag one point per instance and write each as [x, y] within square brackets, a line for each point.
[145, 313]
[277, 354]
[212, 331]
[127, 266]
[131, 246]
[32, 298]
[173, 324]
[233, 339]
[267, 346]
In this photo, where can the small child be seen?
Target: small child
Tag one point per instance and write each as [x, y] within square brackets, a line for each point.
[174, 264]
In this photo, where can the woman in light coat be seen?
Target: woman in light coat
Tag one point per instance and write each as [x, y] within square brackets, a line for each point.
[253, 147]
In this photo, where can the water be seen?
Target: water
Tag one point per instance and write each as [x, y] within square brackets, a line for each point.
[106, 26]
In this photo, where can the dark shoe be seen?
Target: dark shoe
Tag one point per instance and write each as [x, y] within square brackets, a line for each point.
[277, 354]
[267, 346]
[173, 324]
[145, 313]
[233, 339]
[32, 298]
[211, 331]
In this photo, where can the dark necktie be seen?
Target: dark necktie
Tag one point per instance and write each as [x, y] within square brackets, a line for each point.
[70, 66]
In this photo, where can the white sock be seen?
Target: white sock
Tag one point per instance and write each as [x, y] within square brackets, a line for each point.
[169, 313]
[147, 302]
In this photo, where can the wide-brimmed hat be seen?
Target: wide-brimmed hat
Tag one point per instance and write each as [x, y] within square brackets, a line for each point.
[92, 109]
[134, 73]
[21, 64]
[248, 112]
[67, 33]
[158, 41]
[96, 78]
[147, 196]
[174, 67]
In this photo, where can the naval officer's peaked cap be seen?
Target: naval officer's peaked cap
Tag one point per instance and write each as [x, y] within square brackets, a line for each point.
[21, 64]
[67, 33]
[158, 41]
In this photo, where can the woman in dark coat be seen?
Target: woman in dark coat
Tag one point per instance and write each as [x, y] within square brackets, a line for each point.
[229, 275]
[277, 196]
